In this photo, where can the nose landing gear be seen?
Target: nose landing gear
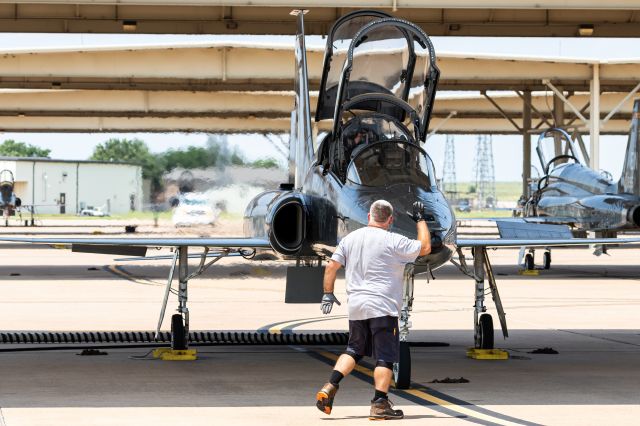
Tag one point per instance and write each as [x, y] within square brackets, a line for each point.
[402, 369]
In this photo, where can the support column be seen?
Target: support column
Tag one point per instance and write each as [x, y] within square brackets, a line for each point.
[526, 142]
[594, 122]
[558, 118]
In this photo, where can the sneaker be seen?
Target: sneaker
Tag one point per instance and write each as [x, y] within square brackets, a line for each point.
[324, 397]
[382, 409]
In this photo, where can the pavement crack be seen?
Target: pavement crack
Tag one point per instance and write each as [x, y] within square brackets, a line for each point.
[2, 422]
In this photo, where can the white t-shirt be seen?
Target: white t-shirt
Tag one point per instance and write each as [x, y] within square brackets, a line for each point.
[374, 260]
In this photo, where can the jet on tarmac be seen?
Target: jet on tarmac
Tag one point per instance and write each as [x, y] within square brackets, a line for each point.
[377, 93]
[9, 202]
[570, 193]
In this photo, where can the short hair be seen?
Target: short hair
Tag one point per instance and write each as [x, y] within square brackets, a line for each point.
[381, 211]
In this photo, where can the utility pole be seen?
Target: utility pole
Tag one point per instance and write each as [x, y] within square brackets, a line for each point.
[485, 173]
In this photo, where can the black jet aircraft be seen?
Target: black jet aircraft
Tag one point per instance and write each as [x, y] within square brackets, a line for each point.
[571, 193]
[377, 93]
[9, 202]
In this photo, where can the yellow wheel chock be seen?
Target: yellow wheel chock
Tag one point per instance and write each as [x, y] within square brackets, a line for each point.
[168, 354]
[475, 353]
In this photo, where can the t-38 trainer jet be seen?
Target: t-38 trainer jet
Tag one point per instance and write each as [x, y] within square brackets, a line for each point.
[377, 93]
[10, 203]
[570, 193]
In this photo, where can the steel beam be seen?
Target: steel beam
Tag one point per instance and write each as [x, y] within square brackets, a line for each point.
[558, 117]
[526, 143]
[226, 66]
[594, 128]
[237, 124]
[520, 18]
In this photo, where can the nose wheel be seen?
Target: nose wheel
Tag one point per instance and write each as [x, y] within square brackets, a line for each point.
[402, 369]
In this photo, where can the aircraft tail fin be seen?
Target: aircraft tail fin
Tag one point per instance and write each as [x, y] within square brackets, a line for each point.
[301, 145]
[630, 178]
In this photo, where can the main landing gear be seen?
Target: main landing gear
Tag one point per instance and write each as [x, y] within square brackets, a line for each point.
[180, 320]
[529, 259]
[483, 322]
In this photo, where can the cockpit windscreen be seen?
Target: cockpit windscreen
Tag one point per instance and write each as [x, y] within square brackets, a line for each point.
[390, 163]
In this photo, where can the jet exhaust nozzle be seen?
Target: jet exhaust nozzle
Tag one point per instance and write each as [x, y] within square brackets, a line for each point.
[633, 216]
[288, 225]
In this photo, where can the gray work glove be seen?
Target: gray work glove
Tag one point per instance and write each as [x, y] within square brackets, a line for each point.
[328, 299]
[418, 211]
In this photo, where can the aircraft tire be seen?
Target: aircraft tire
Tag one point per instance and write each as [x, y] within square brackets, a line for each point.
[546, 260]
[178, 336]
[486, 331]
[402, 369]
[529, 264]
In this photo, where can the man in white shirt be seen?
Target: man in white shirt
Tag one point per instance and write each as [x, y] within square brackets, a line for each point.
[374, 261]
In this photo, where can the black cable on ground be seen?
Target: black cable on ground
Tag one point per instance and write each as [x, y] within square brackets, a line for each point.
[205, 337]
[145, 339]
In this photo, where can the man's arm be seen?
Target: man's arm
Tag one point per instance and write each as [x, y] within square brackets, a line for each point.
[424, 237]
[330, 272]
[328, 299]
[423, 230]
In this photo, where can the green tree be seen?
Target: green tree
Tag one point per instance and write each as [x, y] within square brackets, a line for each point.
[11, 148]
[266, 163]
[131, 151]
[191, 158]
[215, 153]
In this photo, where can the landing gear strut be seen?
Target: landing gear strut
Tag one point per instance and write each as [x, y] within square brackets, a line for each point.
[482, 321]
[180, 321]
[402, 369]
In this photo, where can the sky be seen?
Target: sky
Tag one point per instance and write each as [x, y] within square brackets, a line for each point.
[507, 149]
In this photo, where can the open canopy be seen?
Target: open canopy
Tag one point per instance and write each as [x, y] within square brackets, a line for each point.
[386, 56]
[335, 55]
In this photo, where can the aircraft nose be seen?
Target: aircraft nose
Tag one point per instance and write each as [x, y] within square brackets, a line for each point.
[402, 202]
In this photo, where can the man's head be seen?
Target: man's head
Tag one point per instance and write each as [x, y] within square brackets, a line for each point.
[381, 214]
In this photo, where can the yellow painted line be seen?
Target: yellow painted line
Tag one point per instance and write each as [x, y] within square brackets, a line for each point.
[277, 329]
[455, 407]
[428, 397]
[358, 368]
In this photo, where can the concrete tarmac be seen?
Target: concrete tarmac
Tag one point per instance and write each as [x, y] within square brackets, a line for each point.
[586, 308]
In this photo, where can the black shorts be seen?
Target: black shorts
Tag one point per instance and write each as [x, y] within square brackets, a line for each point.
[375, 337]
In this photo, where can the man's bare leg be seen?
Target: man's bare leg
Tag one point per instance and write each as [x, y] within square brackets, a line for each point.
[381, 408]
[382, 378]
[345, 364]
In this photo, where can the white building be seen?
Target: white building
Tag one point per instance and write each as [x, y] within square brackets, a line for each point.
[68, 186]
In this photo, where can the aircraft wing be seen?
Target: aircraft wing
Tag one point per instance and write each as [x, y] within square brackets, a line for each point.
[557, 220]
[516, 243]
[522, 234]
[138, 246]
